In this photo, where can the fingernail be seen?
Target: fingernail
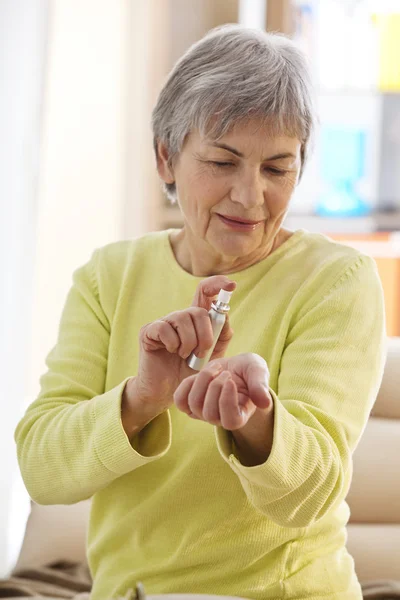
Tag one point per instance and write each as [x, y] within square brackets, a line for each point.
[215, 370]
[225, 375]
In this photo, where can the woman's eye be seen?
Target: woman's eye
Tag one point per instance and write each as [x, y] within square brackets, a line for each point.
[274, 171]
[221, 164]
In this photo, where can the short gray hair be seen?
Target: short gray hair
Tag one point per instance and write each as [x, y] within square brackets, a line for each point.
[235, 73]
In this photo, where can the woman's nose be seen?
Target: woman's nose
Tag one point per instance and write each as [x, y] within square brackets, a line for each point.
[249, 191]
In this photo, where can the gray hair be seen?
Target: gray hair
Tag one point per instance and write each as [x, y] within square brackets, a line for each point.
[232, 74]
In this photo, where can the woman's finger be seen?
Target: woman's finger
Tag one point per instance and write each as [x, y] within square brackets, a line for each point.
[159, 334]
[257, 379]
[203, 328]
[223, 341]
[231, 417]
[182, 393]
[204, 381]
[209, 288]
[211, 398]
[182, 323]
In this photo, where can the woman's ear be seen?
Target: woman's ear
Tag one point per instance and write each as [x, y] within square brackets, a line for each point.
[164, 163]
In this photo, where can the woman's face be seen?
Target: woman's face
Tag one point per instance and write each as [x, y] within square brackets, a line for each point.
[246, 174]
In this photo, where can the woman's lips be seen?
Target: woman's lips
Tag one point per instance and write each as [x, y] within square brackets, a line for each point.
[239, 225]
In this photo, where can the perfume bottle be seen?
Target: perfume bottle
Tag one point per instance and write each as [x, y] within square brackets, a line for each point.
[218, 311]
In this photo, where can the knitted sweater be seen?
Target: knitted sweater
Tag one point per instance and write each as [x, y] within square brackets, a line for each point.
[174, 508]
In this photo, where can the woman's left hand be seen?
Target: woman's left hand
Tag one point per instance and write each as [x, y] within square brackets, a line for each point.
[227, 391]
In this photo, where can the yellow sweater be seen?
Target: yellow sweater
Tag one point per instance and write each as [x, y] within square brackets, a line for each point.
[176, 509]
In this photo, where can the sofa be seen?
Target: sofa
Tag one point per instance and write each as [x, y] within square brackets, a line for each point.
[57, 533]
[374, 497]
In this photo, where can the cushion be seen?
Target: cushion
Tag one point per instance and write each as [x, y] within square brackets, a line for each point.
[54, 533]
[374, 495]
[387, 404]
[376, 551]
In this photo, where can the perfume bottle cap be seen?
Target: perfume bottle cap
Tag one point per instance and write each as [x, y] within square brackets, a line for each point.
[224, 296]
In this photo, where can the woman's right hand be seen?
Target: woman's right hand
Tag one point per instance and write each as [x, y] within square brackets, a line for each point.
[166, 344]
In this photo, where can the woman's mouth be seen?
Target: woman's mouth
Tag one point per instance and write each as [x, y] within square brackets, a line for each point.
[235, 223]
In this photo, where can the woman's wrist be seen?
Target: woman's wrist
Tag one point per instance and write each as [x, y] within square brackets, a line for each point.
[135, 413]
[253, 442]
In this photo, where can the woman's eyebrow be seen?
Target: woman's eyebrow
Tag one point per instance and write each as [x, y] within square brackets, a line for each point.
[281, 155]
[241, 155]
[229, 148]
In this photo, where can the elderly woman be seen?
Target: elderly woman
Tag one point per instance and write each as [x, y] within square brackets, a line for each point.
[231, 480]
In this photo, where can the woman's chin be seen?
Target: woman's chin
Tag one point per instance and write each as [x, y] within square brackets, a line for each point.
[235, 244]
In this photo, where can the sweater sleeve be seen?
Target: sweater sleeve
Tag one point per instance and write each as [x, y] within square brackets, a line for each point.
[71, 442]
[330, 373]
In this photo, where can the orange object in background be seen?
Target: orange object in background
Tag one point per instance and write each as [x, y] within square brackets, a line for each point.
[378, 236]
[389, 272]
[384, 247]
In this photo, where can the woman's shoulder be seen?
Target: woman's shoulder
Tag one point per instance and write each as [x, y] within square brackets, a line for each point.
[325, 250]
[329, 261]
[115, 267]
[120, 255]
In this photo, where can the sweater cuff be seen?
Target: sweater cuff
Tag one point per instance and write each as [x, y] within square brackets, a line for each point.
[276, 473]
[113, 447]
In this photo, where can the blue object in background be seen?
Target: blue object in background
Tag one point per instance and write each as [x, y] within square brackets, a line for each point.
[342, 165]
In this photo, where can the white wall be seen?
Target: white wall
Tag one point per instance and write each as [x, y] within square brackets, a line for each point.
[96, 181]
[80, 199]
[22, 50]
[82, 172]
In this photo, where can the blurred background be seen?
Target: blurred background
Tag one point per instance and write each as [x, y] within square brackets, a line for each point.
[78, 80]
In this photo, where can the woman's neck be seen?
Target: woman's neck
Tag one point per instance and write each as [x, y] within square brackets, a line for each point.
[199, 263]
